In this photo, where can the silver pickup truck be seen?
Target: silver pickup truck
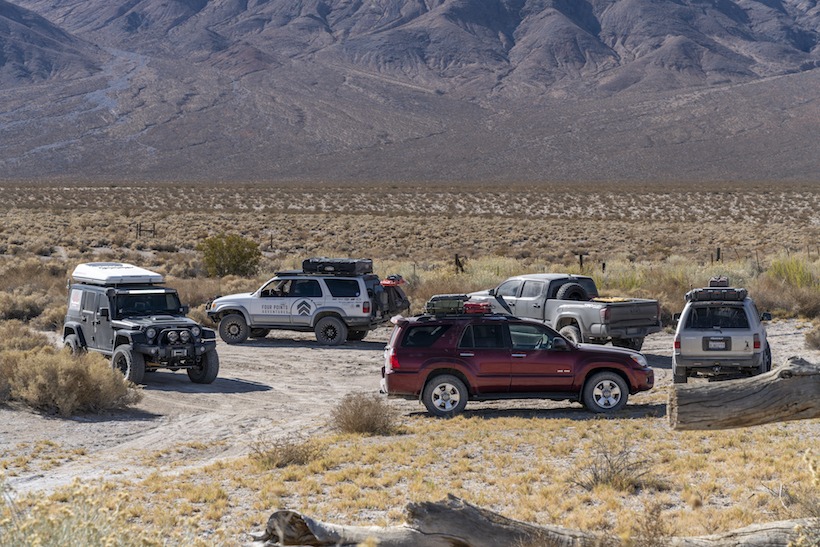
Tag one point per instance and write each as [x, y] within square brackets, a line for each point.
[570, 304]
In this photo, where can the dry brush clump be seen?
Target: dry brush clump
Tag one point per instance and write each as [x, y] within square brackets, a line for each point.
[365, 414]
[284, 451]
[35, 373]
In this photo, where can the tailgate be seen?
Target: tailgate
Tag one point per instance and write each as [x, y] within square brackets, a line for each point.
[717, 344]
[631, 313]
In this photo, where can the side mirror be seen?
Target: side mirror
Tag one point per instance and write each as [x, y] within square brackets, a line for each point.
[675, 319]
[559, 344]
[491, 292]
[104, 313]
[184, 310]
[766, 316]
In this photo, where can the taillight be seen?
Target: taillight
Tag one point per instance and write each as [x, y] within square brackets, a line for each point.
[605, 314]
[394, 361]
[677, 342]
[757, 341]
[366, 306]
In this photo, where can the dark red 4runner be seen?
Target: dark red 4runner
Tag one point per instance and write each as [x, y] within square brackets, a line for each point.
[446, 360]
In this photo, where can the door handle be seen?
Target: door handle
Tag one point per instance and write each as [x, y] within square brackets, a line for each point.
[466, 354]
[519, 355]
[536, 305]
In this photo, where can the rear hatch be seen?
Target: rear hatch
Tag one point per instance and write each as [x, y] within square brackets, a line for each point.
[718, 330]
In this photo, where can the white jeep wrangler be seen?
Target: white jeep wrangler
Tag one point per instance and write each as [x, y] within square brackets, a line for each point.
[338, 299]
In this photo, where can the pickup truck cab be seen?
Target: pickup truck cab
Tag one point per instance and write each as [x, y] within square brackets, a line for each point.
[571, 305]
[720, 334]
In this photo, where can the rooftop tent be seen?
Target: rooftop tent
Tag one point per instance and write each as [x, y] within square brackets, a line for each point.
[114, 273]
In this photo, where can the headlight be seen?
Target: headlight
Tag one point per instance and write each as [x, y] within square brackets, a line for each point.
[173, 336]
[196, 331]
[185, 336]
[151, 333]
[640, 359]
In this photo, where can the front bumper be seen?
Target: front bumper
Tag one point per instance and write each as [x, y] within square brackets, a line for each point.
[179, 355]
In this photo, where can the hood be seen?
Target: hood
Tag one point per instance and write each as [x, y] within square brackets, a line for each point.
[228, 297]
[595, 348]
[157, 321]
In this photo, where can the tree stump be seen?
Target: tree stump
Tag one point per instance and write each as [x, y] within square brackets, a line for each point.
[788, 392]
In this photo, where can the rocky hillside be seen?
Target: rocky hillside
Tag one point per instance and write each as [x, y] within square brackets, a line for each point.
[414, 90]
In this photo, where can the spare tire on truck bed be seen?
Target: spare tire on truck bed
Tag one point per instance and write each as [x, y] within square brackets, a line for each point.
[571, 291]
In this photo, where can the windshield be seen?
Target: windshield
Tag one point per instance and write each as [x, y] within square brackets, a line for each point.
[147, 304]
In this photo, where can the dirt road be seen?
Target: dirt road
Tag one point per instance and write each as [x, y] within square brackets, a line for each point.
[283, 384]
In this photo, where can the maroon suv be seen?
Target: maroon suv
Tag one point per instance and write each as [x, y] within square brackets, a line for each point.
[447, 360]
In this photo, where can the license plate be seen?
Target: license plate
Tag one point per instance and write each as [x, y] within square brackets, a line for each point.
[717, 344]
[178, 353]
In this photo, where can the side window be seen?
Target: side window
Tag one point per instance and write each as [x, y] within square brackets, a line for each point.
[532, 289]
[423, 336]
[305, 288]
[90, 301]
[509, 288]
[343, 288]
[483, 336]
[75, 300]
[526, 336]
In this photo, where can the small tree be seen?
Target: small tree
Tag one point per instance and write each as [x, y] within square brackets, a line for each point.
[227, 254]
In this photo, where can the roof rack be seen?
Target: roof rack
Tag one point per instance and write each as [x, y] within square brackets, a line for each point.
[725, 294]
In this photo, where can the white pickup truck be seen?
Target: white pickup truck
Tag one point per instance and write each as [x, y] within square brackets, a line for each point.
[570, 304]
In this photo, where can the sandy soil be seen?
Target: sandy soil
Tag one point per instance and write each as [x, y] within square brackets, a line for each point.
[285, 383]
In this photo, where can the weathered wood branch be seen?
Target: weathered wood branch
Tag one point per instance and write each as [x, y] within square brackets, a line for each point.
[788, 392]
[456, 523]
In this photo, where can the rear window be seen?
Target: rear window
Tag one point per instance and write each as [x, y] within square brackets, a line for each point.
[343, 288]
[422, 336]
[724, 317]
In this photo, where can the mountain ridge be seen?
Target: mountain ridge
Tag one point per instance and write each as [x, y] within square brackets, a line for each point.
[451, 90]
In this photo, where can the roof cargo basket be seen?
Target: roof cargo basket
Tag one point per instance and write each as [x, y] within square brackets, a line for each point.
[719, 281]
[338, 266]
[728, 294]
[446, 303]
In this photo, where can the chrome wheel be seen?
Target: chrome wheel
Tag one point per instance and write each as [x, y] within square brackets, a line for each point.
[606, 394]
[446, 397]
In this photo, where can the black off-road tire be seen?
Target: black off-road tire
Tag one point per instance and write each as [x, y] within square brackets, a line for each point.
[572, 333]
[129, 362]
[330, 331]
[72, 343]
[356, 335]
[233, 329]
[259, 333]
[605, 392]
[207, 370]
[445, 396]
[766, 365]
[572, 291]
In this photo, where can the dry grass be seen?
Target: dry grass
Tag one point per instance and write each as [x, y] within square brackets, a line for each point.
[36, 374]
[365, 414]
[284, 451]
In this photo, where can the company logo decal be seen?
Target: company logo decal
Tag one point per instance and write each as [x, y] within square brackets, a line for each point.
[303, 307]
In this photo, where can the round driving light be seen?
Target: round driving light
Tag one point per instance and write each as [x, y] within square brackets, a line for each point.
[173, 336]
[185, 336]
[196, 331]
[151, 333]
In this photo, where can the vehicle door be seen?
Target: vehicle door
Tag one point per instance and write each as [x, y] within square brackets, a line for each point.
[346, 293]
[531, 301]
[509, 292]
[103, 330]
[304, 297]
[536, 365]
[271, 305]
[88, 318]
[485, 347]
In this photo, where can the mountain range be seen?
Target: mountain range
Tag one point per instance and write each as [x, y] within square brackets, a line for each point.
[410, 91]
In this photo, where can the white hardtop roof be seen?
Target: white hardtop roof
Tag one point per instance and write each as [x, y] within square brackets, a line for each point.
[114, 273]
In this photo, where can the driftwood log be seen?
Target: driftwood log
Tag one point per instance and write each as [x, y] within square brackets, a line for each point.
[456, 523]
[788, 392]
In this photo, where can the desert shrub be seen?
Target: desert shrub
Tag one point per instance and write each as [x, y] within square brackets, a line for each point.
[228, 254]
[650, 529]
[285, 451]
[617, 466]
[33, 372]
[51, 318]
[813, 336]
[364, 414]
[88, 516]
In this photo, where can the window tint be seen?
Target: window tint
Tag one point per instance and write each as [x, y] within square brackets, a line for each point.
[509, 288]
[343, 288]
[724, 317]
[305, 287]
[422, 336]
[483, 336]
[89, 301]
[532, 289]
[527, 336]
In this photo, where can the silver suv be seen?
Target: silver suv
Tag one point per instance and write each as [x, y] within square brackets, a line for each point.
[720, 334]
[338, 299]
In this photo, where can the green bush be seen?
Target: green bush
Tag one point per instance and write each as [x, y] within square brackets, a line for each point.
[230, 254]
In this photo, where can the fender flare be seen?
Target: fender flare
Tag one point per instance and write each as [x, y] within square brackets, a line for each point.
[73, 327]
